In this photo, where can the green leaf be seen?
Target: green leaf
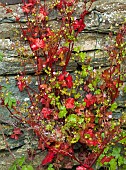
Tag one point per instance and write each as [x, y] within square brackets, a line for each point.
[50, 167]
[77, 95]
[123, 141]
[124, 89]
[6, 100]
[98, 91]
[24, 167]
[120, 160]
[27, 167]
[1, 56]
[20, 161]
[113, 106]
[106, 149]
[91, 87]
[113, 164]
[66, 44]
[77, 49]
[80, 120]
[76, 138]
[103, 135]
[116, 152]
[10, 103]
[13, 167]
[84, 72]
[82, 56]
[90, 68]
[72, 119]
[62, 112]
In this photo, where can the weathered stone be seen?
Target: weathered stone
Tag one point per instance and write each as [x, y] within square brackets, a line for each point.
[12, 143]
[104, 16]
[11, 1]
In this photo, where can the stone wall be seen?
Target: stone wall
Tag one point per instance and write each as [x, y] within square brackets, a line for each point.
[105, 16]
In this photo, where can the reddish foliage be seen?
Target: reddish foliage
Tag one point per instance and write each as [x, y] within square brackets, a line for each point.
[69, 103]
[106, 159]
[21, 83]
[81, 168]
[49, 157]
[46, 112]
[90, 100]
[66, 79]
[85, 116]
[16, 133]
[79, 25]
[36, 43]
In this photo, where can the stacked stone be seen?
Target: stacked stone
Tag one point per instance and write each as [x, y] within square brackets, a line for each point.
[105, 16]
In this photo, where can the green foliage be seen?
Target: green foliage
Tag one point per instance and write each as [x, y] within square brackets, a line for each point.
[62, 112]
[27, 167]
[82, 56]
[50, 167]
[1, 56]
[21, 163]
[113, 106]
[124, 89]
[9, 100]
[67, 108]
[117, 153]
[113, 164]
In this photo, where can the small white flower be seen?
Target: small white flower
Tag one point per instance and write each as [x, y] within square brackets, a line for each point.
[32, 107]
[110, 116]
[26, 99]
[36, 83]
[104, 95]
[94, 70]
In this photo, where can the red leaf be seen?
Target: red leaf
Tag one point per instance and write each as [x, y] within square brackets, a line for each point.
[40, 64]
[62, 76]
[81, 168]
[17, 131]
[49, 157]
[79, 25]
[13, 136]
[21, 83]
[90, 99]
[69, 80]
[46, 112]
[106, 159]
[42, 13]
[119, 38]
[32, 1]
[36, 43]
[69, 103]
